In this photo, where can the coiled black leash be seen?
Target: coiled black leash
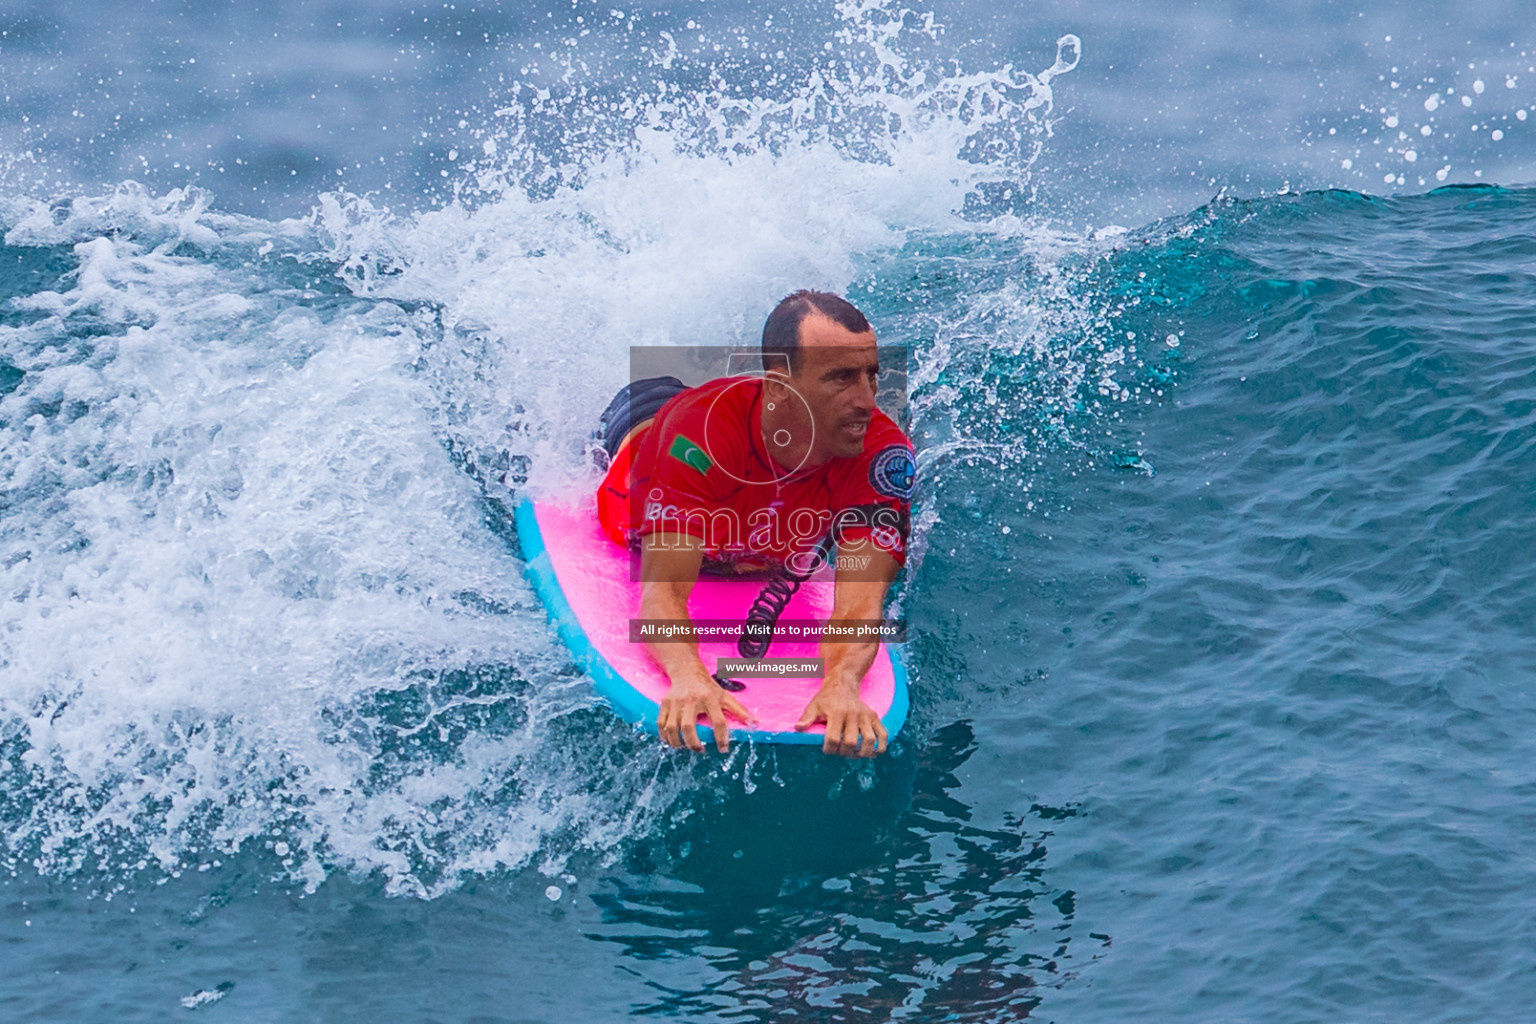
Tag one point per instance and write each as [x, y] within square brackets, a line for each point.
[757, 631]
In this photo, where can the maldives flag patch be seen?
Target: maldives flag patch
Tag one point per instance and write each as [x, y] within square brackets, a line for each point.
[689, 454]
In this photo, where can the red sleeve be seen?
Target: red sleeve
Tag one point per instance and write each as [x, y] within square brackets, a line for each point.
[682, 492]
[879, 488]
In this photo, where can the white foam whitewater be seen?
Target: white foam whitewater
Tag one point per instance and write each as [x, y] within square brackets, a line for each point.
[252, 602]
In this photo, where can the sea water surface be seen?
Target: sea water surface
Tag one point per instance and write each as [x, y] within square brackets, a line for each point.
[1222, 323]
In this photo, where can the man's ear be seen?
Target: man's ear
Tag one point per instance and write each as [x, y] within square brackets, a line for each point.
[775, 386]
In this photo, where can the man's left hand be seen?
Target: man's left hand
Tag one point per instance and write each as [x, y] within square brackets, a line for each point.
[853, 727]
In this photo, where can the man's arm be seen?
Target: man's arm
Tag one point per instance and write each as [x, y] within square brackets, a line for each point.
[853, 727]
[669, 567]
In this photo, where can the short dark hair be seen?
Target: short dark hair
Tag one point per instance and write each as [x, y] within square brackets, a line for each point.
[781, 334]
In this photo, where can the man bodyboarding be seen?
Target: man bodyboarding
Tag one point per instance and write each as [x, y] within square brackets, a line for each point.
[743, 472]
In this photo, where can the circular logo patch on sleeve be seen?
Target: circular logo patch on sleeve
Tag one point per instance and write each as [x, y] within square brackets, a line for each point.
[891, 472]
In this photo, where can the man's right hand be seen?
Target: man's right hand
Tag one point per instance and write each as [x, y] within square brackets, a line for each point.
[669, 566]
[677, 720]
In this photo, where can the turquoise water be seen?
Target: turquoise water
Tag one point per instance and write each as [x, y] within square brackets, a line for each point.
[1221, 590]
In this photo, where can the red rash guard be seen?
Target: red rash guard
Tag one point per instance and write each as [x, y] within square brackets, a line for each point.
[701, 469]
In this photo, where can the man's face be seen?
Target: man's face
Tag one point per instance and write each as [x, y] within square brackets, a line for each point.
[836, 373]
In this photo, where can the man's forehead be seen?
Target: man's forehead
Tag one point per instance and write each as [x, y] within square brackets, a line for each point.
[826, 343]
[819, 330]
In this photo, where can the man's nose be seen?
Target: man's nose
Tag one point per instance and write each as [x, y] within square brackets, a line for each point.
[864, 397]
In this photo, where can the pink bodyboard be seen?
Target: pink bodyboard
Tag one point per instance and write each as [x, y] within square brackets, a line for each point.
[584, 581]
